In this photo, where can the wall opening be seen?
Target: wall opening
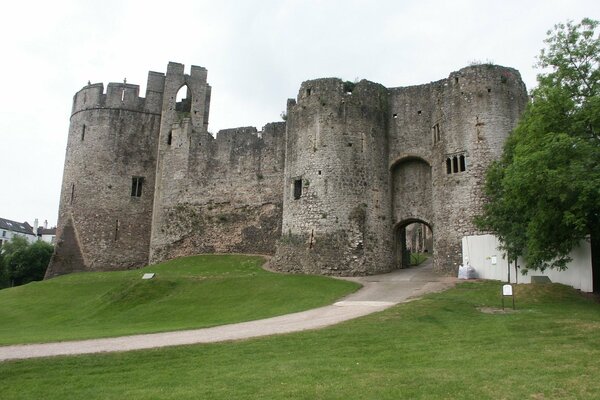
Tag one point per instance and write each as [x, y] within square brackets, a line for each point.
[297, 189]
[170, 138]
[183, 100]
[455, 164]
[72, 193]
[435, 130]
[136, 186]
[413, 241]
[116, 230]
[83, 132]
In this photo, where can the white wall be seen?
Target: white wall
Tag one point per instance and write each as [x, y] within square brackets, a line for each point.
[480, 251]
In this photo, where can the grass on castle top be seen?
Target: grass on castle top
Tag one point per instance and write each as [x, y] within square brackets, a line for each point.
[186, 293]
[439, 347]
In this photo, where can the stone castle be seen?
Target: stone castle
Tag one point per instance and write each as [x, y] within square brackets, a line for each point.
[329, 191]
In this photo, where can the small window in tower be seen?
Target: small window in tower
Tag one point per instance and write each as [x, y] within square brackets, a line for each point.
[136, 186]
[72, 192]
[170, 138]
[461, 161]
[319, 172]
[395, 116]
[436, 133]
[448, 165]
[116, 230]
[455, 164]
[308, 91]
[419, 112]
[83, 132]
[297, 189]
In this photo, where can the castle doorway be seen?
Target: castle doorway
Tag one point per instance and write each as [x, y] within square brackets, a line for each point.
[413, 243]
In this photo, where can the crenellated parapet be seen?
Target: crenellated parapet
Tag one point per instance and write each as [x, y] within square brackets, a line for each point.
[123, 96]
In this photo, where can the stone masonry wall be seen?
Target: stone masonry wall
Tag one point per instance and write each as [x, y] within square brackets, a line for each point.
[336, 207]
[220, 195]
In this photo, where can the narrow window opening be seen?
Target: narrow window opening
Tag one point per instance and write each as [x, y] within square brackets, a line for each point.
[395, 116]
[319, 172]
[136, 186]
[463, 166]
[308, 91]
[419, 112]
[83, 132]
[455, 80]
[455, 164]
[170, 138]
[448, 166]
[489, 90]
[72, 192]
[123, 95]
[436, 133]
[349, 144]
[312, 236]
[297, 189]
[116, 230]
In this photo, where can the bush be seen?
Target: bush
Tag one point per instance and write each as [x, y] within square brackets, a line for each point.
[21, 262]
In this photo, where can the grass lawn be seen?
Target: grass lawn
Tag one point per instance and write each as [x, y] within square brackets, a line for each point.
[189, 292]
[440, 347]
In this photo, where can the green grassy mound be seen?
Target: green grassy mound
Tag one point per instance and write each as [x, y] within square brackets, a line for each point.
[440, 347]
[191, 292]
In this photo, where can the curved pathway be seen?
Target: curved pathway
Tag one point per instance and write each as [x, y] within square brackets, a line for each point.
[378, 293]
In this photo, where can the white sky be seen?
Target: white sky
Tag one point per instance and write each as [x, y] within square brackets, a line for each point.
[257, 53]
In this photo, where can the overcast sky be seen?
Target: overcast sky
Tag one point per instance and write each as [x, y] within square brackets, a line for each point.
[257, 53]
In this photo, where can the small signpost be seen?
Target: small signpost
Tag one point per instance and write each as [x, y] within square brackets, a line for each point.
[507, 290]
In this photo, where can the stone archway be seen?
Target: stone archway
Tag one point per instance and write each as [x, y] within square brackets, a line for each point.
[402, 248]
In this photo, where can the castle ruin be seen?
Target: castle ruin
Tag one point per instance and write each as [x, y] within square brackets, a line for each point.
[329, 191]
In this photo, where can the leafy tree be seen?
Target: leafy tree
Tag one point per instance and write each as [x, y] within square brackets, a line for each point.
[21, 262]
[544, 192]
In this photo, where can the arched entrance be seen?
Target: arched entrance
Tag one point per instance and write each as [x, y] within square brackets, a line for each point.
[413, 240]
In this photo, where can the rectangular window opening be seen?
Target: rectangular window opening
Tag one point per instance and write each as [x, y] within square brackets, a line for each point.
[297, 189]
[72, 192]
[136, 186]
[116, 230]
[83, 132]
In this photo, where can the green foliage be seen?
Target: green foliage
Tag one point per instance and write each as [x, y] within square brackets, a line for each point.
[545, 190]
[186, 293]
[439, 347]
[418, 258]
[349, 86]
[21, 262]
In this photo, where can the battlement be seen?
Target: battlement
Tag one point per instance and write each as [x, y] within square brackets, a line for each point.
[121, 95]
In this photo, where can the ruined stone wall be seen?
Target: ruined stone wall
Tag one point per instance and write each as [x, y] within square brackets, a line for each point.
[220, 195]
[112, 138]
[467, 116]
[336, 203]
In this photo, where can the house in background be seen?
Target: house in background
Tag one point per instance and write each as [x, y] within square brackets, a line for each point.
[10, 229]
[44, 233]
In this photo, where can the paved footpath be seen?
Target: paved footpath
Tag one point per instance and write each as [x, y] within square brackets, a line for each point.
[378, 293]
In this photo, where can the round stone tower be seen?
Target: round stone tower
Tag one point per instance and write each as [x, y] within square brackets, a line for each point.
[108, 182]
[336, 205]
